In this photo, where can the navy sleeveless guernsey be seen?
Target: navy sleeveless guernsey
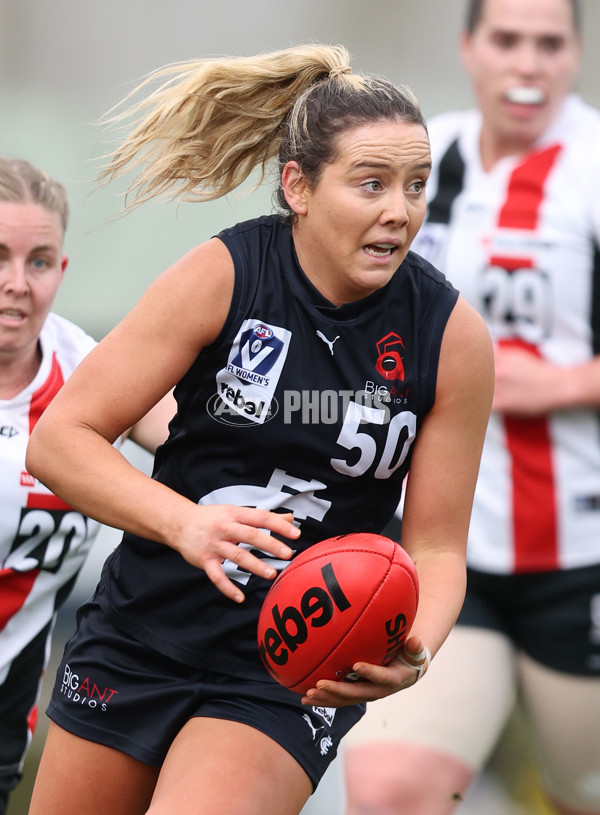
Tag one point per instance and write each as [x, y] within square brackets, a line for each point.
[298, 406]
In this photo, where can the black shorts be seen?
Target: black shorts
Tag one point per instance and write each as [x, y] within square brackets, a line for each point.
[19, 694]
[554, 617]
[113, 690]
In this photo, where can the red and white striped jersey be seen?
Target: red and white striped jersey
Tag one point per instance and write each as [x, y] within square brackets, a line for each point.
[43, 541]
[521, 243]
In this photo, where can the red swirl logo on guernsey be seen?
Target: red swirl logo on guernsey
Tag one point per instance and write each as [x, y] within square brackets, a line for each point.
[389, 362]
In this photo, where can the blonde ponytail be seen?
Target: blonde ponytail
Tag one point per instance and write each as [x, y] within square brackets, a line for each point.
[210, 122]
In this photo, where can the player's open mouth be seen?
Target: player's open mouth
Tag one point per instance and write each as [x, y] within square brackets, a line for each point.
[11, 314]
[525, 95]
[380, 250]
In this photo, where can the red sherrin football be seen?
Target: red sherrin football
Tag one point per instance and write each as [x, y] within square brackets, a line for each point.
[349, 598]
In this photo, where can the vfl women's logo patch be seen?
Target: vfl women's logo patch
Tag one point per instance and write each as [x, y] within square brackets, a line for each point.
[247, 383]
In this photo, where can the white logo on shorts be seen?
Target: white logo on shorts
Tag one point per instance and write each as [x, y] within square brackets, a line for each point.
[326, 713]
[326, 745]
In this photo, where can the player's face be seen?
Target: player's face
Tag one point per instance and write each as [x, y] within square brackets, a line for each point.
[523, 58]
[355, 226]
[31, 269]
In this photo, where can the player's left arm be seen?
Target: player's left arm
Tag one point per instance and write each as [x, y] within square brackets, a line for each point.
[437, 508]
[528, 385]
[153, 428]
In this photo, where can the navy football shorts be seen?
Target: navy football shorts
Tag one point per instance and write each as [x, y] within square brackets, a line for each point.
[18, 698]
[113, 690]
[554, 617]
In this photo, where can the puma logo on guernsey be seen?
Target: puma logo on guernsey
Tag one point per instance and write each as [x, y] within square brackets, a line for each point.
[327, 342]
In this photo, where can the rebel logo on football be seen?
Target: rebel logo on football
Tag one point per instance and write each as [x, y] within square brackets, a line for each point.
[290, 626]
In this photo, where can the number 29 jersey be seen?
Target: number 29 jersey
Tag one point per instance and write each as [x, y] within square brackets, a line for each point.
[520, 242]
[298, 406]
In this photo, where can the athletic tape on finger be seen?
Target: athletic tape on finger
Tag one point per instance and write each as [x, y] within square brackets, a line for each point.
[420, 661]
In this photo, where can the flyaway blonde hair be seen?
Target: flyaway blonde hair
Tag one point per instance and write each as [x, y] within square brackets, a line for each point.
[210, 122]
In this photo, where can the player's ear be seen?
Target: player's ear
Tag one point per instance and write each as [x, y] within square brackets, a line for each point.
[295, 188]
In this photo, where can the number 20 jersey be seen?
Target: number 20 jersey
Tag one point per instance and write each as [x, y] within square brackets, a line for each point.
[298, 406]
[43, 541]
[520, 242]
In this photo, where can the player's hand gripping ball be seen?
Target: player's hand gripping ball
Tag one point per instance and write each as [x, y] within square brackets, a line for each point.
[349, 598]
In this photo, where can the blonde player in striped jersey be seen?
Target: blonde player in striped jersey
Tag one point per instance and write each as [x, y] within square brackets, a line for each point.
[43, 541]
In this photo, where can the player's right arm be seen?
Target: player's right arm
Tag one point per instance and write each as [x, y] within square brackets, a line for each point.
[130, 370]
[437, 508]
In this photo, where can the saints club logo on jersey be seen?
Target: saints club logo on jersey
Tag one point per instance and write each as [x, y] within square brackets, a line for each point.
[246, 385]
[389, 362]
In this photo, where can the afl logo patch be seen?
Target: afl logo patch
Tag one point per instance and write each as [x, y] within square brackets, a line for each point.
[263, 332]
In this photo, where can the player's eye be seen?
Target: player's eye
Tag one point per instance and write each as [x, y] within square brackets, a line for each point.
[417, 187]
[504, 39]
[552, 44]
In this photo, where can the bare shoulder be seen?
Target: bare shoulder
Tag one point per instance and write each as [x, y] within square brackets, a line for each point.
[467, 332]
[182, 311]
[212, 255]
[206, 271]
[196, 291]
[467, 356]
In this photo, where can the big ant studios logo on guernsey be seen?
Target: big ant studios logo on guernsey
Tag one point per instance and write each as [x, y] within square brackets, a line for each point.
[246, 385]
